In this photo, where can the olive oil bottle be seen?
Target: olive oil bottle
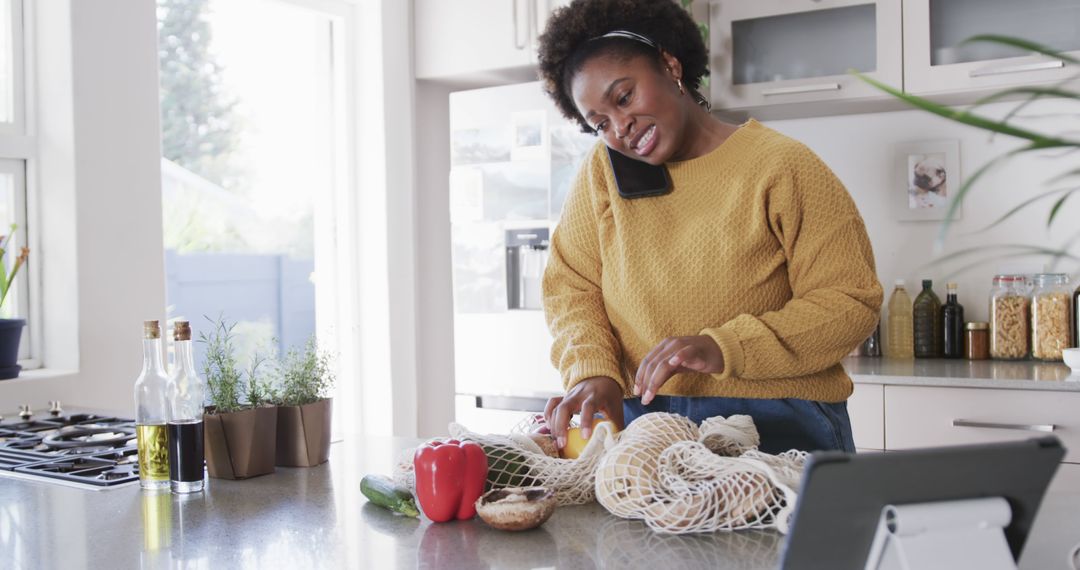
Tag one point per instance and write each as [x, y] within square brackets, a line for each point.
[928, 326]
[151, 413]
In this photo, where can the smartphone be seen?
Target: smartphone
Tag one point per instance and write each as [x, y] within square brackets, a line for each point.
[636, 179]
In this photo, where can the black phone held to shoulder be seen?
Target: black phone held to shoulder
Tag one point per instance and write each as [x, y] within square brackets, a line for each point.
[636, 179]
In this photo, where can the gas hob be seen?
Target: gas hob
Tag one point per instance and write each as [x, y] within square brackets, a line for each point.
[85, 450]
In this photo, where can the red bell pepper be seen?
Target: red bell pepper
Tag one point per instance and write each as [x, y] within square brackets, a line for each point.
[450, 476]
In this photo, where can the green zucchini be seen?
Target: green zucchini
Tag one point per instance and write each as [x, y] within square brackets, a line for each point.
[381, 490]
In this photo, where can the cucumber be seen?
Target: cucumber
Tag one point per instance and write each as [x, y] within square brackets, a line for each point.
[381, 490]
[506, 469]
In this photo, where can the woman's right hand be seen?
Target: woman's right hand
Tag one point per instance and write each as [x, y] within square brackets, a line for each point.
[591, 395]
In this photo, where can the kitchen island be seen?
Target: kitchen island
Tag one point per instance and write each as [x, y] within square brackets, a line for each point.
[317, 518]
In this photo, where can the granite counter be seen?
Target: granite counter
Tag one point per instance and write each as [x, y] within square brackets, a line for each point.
[317, 518]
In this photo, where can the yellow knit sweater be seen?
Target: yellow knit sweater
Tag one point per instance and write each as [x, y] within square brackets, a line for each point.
[758, 246]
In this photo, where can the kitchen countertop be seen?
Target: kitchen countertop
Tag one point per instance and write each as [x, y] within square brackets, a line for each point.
[1003, 374]
[317, 518]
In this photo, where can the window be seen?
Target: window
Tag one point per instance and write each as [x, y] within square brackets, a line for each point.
[250, 107]
[17, 151]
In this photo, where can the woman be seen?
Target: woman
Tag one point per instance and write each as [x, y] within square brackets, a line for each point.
[737, 292]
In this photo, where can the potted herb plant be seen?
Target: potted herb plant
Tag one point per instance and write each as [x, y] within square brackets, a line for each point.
[305, 377]
[241, 423]
[10, 329]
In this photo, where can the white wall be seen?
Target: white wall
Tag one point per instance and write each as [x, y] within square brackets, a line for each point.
[99, 187]
[859, 148]
[435, 300]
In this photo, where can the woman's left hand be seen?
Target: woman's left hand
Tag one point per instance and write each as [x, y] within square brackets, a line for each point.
[674, 355]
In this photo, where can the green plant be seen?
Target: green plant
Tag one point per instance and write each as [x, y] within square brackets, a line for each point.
[1034, 141]
[259, 391]
[305, 374]
[8, 277]
[232, 388]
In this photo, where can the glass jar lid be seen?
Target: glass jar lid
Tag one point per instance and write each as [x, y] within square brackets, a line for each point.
[1044, 279]
[977, 325]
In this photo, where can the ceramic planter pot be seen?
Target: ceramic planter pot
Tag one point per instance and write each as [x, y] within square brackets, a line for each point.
[240, 444]
[10, 334]
[303, 434]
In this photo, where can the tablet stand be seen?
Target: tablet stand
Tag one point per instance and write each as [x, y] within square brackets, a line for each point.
[943, 535]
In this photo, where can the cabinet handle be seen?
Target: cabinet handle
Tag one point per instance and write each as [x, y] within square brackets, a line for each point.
[1057, 63]
[518, 43]
[801, 89]
[996, 425]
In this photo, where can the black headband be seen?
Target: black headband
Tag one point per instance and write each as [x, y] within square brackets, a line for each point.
[630, 36]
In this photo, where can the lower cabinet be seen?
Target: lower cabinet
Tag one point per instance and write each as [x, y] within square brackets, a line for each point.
[1067, 479]
[866, 408]
[918, 416]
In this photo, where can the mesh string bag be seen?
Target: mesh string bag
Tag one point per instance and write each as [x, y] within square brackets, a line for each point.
[515, 460]
[679, 478]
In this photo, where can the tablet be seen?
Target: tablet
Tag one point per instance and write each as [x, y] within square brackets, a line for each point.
[842, 494]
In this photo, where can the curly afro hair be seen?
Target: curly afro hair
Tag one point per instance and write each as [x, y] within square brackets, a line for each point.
[570, 40]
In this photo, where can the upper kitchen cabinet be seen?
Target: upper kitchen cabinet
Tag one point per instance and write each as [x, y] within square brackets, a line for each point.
[937, 61]
[479, 41]
[785, 58]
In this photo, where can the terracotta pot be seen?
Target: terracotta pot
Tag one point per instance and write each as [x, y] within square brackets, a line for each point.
[240, 444]
[303, 434]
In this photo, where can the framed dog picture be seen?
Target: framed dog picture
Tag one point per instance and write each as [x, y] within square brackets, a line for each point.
[927, 178]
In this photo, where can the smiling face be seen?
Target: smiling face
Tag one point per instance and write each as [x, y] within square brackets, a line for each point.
[636, 106]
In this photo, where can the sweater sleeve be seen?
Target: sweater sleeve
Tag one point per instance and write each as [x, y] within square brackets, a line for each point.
[836, 296]
[584, 344]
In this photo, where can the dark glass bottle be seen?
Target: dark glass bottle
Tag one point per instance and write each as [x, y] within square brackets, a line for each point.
[952, 317]
[1076, 317]
[927, 325]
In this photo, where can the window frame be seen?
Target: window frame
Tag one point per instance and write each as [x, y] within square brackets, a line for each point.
[17, 126]
[18, 156]
[337, 265]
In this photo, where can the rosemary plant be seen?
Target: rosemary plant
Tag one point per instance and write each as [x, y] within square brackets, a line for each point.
[220, 368]
[232, 388]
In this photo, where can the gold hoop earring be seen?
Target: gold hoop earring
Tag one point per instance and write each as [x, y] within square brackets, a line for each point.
[682, 91]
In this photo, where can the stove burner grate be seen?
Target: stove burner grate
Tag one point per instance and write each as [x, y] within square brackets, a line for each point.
[95, 450]
[81, 436]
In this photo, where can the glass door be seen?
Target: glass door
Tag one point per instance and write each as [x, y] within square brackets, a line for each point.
[780, 52]
[937, 58]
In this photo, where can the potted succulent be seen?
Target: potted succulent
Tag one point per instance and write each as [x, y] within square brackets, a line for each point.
[241, 422]
[305, 377]
[10, 329]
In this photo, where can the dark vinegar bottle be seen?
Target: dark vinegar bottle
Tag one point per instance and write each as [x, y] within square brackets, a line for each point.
[952, 317]
[186, 393]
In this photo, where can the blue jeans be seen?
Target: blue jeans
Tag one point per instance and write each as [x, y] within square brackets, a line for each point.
[782, 424]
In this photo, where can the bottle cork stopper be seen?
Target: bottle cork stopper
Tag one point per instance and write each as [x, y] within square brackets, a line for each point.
[181, 330]
[151, 329]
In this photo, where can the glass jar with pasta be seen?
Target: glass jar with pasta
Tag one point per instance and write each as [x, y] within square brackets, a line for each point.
[1051, 316]
[1009, 318]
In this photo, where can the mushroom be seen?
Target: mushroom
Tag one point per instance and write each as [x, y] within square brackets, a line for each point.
[516, 508]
